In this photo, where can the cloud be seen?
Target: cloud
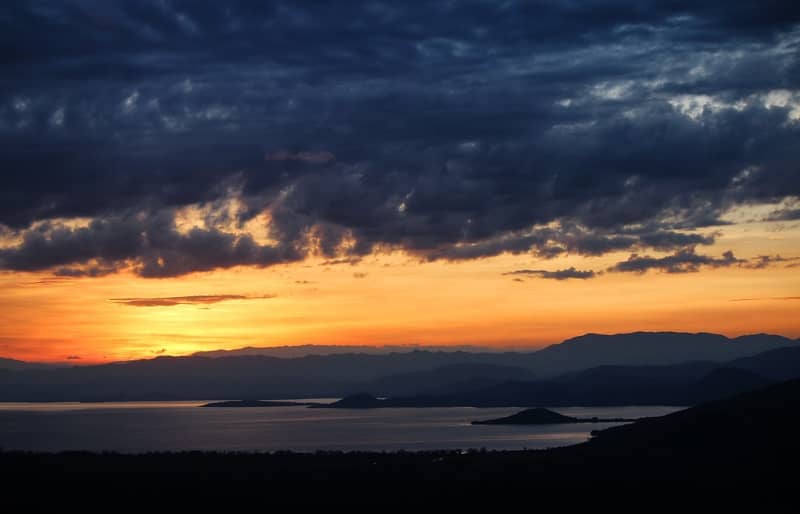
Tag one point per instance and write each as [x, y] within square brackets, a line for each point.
[149, 244]
[687, 260]
[784, 215]
[359, 275]
[171, 301]
[310, 157]
[73, 357]
[87, 271]
[335, 262]
[682, 261]
[451, 131]
[562, 274]
[763, 261]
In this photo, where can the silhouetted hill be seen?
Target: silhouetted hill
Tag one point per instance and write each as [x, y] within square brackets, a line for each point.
[254, 377]
[16, 365]
[540, 416]
[425, 373]
[681, 384]
[452, 378]
[537, 416]
[304, 350]
[759, 423]
[725, 381]
[780, 364]
[648, 348]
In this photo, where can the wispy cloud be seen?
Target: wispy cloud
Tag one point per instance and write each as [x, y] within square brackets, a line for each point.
[682, 261]
[561, 274]
[763, 261]
[687, 261]
[780, 298]
[334, 262]
[171, 301]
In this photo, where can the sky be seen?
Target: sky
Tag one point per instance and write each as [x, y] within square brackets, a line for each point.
[181, 176]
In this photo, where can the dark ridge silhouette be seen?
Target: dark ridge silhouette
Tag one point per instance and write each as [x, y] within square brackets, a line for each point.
[745, 440]
[760, 422]
[448, 379]
[255, 403]
[537, 416]
[725, 381]
[780, 364]
[683, 384]
[304, 350]
[649, 348]
[17, 365]
[540, 416]
[444, 375]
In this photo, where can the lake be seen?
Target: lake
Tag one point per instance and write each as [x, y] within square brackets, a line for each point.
[177, 426]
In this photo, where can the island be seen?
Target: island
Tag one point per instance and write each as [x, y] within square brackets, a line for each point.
[257, 403]
[541, 416]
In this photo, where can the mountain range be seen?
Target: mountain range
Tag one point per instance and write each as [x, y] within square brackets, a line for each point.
[678, 384]
[662, 367]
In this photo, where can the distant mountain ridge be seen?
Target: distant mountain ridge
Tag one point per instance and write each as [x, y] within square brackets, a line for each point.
[305, 350]
[16, 365]
[650, 348]
[621, 365]
[573, 354]
[677, 384]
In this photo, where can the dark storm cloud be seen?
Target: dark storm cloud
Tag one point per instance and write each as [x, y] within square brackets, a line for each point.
[171, 301]
[453, 130]
[562, 274]
[151, 245]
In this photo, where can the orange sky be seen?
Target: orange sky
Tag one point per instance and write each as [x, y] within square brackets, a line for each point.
[396, 299]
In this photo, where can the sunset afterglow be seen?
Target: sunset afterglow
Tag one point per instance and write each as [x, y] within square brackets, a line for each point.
[396, 298]
[179, 177]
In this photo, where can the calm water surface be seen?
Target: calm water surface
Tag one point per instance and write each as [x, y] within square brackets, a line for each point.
[175, 426]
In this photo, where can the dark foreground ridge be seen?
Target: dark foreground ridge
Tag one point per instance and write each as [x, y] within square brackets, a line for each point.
[748, 438]
[540, 416]
[256, 403]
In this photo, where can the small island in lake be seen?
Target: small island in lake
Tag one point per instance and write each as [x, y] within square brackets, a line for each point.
[256, 403]
[541, 416]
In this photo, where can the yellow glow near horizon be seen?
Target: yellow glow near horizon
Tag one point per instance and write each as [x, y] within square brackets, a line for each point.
[396, 299]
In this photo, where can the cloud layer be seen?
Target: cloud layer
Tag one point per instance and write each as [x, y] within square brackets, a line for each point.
[171, 301]
[453, 130]
[562, 274]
